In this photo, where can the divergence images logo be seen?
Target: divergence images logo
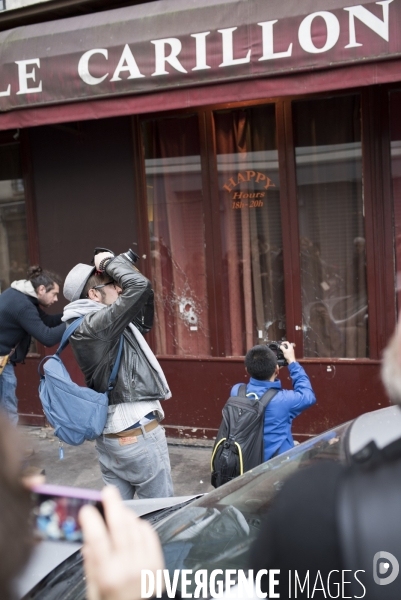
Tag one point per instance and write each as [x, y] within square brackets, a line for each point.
[385, 563]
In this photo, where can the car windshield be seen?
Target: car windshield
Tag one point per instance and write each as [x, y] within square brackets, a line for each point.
[217, 530]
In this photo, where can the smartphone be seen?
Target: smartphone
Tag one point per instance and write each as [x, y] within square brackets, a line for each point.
[56, 508]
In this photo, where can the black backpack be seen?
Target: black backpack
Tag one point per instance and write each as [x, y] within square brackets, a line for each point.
[239, 442]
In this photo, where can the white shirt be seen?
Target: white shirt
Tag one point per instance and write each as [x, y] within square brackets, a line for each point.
[124, 415]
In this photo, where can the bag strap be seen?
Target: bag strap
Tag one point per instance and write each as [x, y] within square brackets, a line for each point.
[265, 399]
[65, 340]
[67, 333]
[14, 349]
[268, 396]
[241, 392]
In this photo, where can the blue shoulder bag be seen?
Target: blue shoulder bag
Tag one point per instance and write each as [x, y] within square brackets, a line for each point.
[76, 413]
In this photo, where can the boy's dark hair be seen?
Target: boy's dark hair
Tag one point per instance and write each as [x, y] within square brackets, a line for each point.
[260, 362]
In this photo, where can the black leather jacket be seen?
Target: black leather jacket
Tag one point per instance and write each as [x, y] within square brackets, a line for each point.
[95, 342]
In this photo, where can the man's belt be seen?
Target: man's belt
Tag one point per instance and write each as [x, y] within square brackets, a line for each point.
[134, 432]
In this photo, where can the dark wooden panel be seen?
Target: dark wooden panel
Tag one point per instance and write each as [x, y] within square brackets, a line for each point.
[143, 247]
[212, 233]
[201, 387]
[84, 191]
[289, 224]
[80, 184]
[380, 259]
[29, 406]
[30, 204]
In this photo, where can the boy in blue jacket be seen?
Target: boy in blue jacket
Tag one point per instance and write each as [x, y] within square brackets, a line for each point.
[261, 364]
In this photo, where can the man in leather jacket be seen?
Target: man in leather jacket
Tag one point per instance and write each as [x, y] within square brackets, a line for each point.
[116, 299]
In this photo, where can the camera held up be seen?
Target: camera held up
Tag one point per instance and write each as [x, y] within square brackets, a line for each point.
[130, 254]
[275, 347]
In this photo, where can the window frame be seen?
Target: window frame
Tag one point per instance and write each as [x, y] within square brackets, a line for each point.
[31, 217]
[379, 230]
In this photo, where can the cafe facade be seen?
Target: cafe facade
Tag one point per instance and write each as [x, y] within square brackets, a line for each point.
[249, 152]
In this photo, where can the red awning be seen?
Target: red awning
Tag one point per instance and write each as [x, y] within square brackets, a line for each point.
[179, 53]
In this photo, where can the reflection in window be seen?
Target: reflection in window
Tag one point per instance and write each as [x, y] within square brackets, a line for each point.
[219, 528]
[13, 231]
[175, 213]
[253, 284]
[328, 156]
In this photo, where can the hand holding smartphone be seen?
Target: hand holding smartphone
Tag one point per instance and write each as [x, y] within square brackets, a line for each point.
[56, 508]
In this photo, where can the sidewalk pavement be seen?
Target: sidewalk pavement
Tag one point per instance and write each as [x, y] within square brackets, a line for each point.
[190, 462]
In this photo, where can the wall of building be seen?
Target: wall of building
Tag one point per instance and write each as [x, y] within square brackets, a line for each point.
[11, 4]
[84, 190]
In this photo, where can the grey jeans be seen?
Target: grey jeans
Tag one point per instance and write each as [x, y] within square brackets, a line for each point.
[142, 467]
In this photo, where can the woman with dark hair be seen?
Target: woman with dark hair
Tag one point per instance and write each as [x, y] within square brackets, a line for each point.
[21, 316]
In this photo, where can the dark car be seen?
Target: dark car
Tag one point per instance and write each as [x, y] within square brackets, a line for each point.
[217, 529]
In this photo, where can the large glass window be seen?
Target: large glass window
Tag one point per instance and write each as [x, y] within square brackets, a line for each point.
[247, 234]
[177, 236]
[249, 191]
[328, 153]
[13, 230]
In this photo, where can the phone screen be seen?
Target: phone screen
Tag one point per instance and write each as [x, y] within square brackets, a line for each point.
[56, 508]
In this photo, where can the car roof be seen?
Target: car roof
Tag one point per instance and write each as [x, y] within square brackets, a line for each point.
[381, 426]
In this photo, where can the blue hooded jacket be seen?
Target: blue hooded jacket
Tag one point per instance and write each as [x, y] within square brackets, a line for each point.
[282, 409]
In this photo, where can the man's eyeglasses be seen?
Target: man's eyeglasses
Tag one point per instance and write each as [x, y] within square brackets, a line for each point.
[98, 287]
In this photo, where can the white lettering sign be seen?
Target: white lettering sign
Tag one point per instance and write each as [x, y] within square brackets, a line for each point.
[318, 33]
[83, 66]
[332, 32]
[127, 62]
[7, 92]
[24, 75]
[370, 20]
[267, 42]
[161, 59]
[200, 50]
[228, 49]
